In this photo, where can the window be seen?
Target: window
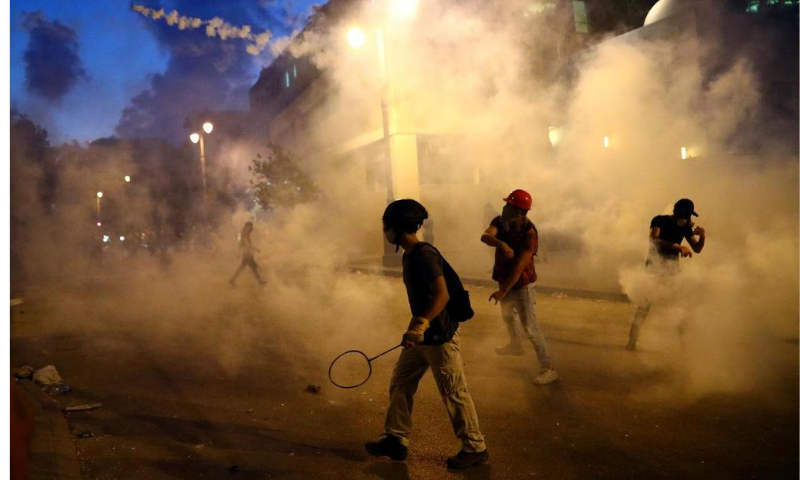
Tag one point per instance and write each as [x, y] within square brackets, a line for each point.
[287, 80]
[580, 16]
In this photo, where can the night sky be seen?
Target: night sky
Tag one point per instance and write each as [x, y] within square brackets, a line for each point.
[95, 68]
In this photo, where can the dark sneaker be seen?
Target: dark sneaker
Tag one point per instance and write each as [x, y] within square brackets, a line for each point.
[388, 446]
[509, 350]
[467, 459]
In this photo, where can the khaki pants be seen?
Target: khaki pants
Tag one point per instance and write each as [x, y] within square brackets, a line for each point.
[448, 371]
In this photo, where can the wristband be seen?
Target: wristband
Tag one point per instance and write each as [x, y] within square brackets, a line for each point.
[419, 324]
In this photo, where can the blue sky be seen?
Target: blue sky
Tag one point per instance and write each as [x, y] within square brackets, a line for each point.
[120, 52]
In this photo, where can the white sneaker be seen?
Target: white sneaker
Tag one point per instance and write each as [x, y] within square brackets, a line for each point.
[547, 375]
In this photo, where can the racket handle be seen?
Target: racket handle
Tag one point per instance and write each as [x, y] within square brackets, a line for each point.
[387, 351]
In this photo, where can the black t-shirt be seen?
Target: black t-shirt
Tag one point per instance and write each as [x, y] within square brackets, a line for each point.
[421, 266]
[670, 232]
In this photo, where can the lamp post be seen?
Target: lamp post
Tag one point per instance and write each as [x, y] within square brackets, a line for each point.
[357, 38]
[99, 196]
[200, 137]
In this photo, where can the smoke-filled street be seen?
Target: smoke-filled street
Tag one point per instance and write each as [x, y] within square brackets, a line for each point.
[562, 237]
[175, 405]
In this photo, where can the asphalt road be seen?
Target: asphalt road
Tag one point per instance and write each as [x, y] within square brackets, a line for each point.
[176, 406]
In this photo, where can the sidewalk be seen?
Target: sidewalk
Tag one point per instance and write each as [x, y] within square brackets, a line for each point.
[52, 453]
[374, 266]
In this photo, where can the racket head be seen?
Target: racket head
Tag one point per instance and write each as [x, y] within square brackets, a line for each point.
[351, 356]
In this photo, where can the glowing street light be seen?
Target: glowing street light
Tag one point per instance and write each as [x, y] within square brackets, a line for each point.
[127, 178]
[404, 8]
[99, 224]
[99, 196]
[195, 138]
[122, 238]
[606, 142]
[684, 153]
[356, 37]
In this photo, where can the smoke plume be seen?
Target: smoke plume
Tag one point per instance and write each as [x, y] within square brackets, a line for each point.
[52, 61]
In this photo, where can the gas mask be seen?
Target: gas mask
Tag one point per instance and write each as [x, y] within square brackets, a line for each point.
[509, 216]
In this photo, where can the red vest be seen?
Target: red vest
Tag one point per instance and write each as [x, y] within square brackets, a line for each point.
[527, 238]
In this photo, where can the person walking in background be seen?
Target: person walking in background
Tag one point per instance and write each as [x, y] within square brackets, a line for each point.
[248, 251]
[516, 240]
[666, 235]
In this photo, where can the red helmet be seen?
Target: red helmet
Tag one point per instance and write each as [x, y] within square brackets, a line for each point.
[519, 198]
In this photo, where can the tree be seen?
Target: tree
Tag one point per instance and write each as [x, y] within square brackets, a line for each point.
[30, 147]
[279, 182]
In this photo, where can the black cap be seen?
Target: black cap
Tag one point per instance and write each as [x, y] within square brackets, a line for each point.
[684, 208]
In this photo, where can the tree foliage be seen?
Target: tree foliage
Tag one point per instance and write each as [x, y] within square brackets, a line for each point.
[278, 181]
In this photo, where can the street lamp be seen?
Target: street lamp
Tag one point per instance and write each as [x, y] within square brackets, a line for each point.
[127, 178]
[356, 37]
[403, 8]
[99, 196]
[199, 137]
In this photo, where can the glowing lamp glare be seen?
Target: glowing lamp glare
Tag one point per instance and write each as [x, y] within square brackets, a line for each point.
[356, 37]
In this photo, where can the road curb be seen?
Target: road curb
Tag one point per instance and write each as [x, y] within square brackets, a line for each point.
[52, 453]
[482, 282]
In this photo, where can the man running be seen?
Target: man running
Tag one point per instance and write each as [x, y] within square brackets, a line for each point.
[666, 235]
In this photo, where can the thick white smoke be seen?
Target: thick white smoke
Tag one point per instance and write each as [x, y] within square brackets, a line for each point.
[465, 73]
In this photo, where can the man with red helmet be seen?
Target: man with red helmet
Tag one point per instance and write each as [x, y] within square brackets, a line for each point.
[516, 241]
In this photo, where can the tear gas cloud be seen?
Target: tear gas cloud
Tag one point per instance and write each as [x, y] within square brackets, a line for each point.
[463, 72]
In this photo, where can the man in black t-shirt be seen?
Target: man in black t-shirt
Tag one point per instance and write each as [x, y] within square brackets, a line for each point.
[666, 235]
[431, 341]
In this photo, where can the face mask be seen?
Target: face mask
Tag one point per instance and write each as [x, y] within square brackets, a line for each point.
[508, 216]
